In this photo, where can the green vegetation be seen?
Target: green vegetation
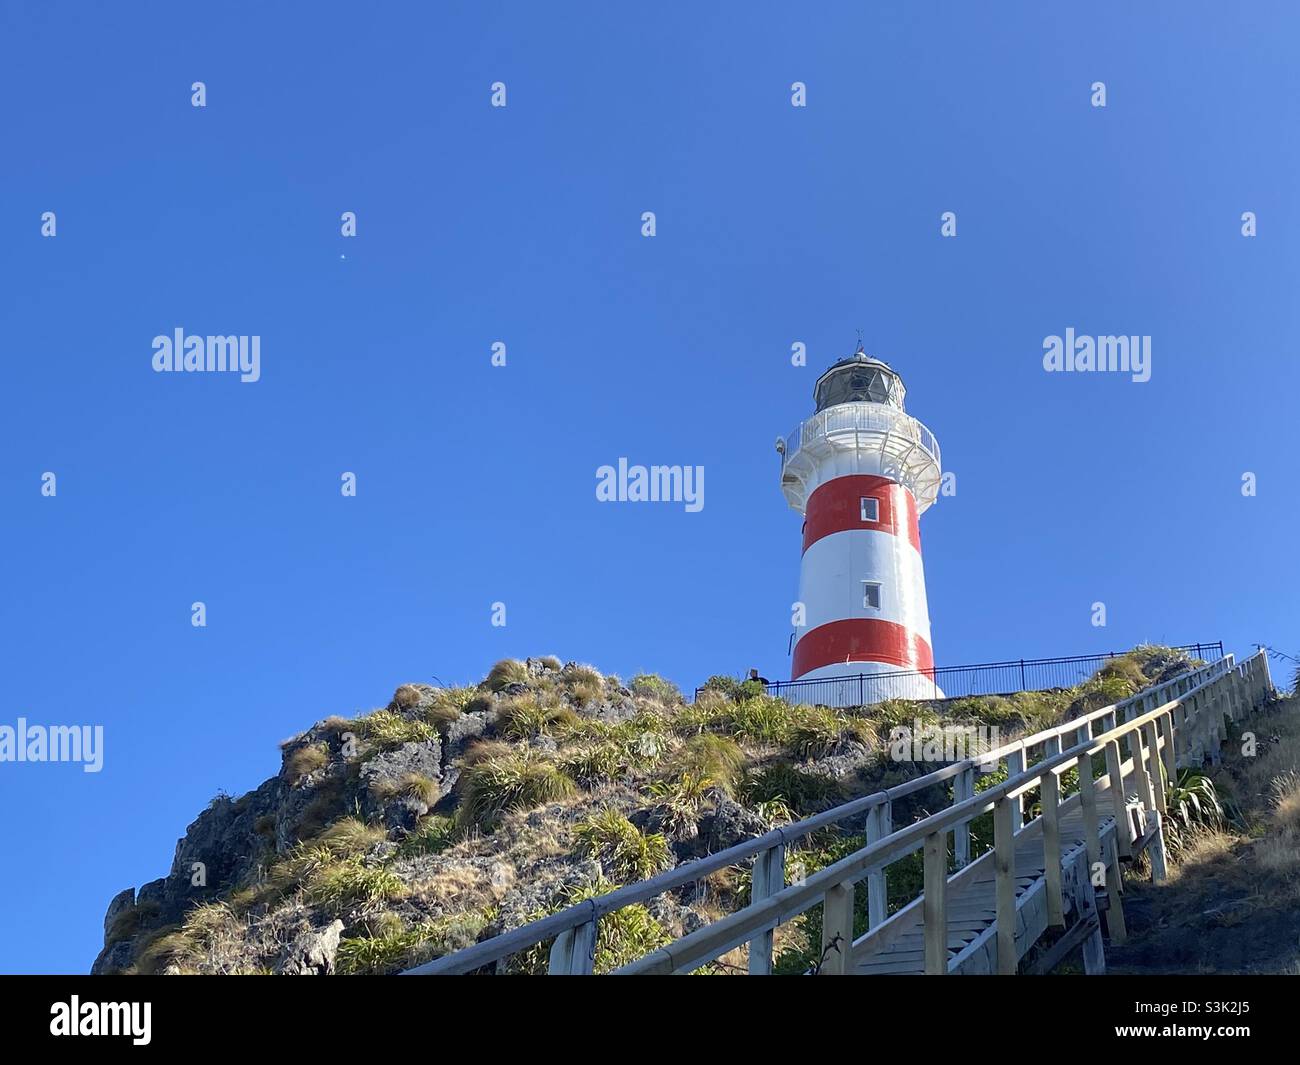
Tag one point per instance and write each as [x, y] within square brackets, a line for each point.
[621, 848]
[681, 799]
[507, 671]
[518, 780]
[803, 793]
[626, 780]
[391, 947]
[524, 716]
[386, 729]
[621, 937]
[709, 756]
[432, 835]
[306, 760]
[653, 686]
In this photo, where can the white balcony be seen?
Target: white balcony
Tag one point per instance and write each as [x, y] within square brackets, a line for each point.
[870, 438]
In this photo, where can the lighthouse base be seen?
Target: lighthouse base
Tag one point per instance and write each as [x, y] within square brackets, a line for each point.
[863, 684]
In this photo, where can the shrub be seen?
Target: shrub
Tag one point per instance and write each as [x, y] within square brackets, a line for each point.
[723, 685]
[761, 719]
[525, 716]
[586, 692]
[386, 729]
[708, 711]
[305, 760]
[718, 758]
[621, 937]
[620, 847]
[804, 793]
[595, 762]
[407, 697]
[449, 703]
[411, 786]
[206, 936]
[391, 949]
[681, 800]
[654, 686]
[507, 671]
[1126, 669]
[1098, 692]
[128, 922]
[818, 731]
[349, 836]
[894, 713]
[338, 885]
[580, 674]
[518, 780]
[431, 836]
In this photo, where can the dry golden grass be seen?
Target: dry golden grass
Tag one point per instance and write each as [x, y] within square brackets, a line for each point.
[306, 760]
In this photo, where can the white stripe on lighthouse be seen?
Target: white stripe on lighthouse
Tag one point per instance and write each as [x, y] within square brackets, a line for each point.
[833, 571]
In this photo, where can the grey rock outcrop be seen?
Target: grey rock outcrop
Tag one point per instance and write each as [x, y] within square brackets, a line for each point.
[312, 952]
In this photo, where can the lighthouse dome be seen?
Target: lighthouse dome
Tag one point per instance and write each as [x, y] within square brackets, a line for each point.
[860, 378]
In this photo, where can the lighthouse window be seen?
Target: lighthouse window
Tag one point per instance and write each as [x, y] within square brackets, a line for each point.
[871, 595]
[870, 508]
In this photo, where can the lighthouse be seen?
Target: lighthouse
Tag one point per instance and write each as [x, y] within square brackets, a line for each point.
[861, 471]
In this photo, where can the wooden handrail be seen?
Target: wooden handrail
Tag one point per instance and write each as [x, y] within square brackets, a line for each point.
[758, 917]
[707, 943]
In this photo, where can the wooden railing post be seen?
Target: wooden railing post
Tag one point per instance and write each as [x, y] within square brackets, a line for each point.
[837, 930]
[1119, 801]
[574, 951]
[1146, 792]
[1015, 766]
[934, 907]
[1004, 867]
[1166, 725]
[767, 879]
[963, 787]
[879, 825]
[1049, 786]
[1111, 878]
[1155, 765]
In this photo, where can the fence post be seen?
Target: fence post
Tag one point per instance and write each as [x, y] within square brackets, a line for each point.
[1049, 788]
[1004, 866]
[837, 930]
[1141, 762]
[879, 825]
[1119, 802]
[574, 951]
[934, 905]
[767, 878]
[963, 788]
[1113, 881]
[1015, 766]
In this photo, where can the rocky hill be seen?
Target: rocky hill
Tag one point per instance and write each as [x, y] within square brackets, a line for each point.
[455, 813]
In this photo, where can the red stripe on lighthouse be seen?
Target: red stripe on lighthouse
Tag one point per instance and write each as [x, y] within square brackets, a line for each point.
[861, 640]
[836, 506]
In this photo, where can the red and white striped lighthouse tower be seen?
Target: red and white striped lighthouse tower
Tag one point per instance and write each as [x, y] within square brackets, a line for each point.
[861, 471]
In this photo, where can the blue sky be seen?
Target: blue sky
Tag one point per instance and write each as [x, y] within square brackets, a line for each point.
[522, 224]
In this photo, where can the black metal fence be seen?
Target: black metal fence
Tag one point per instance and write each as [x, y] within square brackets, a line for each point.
[987, 678]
